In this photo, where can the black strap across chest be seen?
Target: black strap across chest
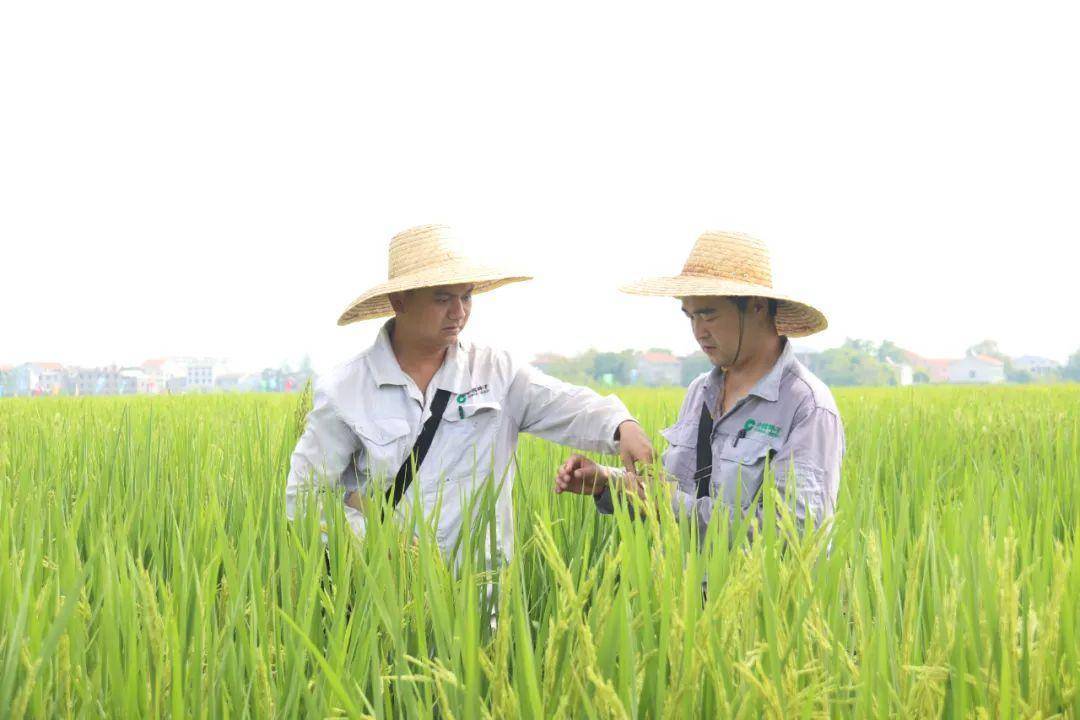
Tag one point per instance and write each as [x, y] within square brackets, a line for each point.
[416, 456]
[704, 451]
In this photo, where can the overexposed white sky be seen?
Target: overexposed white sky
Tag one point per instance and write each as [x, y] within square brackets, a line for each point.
[223, 178]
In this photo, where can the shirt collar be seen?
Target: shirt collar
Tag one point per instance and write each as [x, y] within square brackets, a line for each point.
[382, 361]
[454, 375]
[767, 388]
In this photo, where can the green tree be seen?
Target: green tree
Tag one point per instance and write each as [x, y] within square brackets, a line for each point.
[694, 365]
[865, 347]
[617, 365]
[853, 363]
[577, 369]
[891, 351]
[1017, 376]
[988, 348]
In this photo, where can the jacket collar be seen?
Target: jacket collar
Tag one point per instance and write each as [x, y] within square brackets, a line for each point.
[767, 388]
[453, 375]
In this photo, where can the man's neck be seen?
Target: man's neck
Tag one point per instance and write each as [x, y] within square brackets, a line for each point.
[417, 359]
[741, 377]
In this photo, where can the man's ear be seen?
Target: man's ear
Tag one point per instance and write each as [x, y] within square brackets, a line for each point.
[397, 301]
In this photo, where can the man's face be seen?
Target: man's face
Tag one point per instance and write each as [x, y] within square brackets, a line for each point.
[438, 314]
[715, 324]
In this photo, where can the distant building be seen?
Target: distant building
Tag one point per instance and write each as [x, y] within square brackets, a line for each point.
[659, 368]
[134, 380]
[159, 371]
[977, 369]
[1037, 366]
[250, 382]
[271, 380]
[37, 378]
[96, 381]
[176, 385]
[180, 374]
[935, 369]
[228, 382]
[158, 375]
[905, 374]
[200, 376]
[938, 369]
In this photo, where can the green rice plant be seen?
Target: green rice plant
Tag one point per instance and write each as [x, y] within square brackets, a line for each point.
[147, 570]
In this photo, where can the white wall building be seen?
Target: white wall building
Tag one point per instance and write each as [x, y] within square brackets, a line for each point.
[977, 369]
[181, 374]
[139, 379]
[659, 368]
[200, 376]
[1037, 366]
[905, 374]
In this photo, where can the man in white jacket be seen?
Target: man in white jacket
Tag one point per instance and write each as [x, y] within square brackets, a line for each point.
[420, 397]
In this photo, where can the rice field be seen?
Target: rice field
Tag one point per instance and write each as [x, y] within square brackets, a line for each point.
[147, 570]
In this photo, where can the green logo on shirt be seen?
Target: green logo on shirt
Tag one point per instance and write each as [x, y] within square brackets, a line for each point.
[763, 428]
[472, 392]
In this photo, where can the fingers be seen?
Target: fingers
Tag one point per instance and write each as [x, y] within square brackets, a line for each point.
[633, 442]
[579, 475]
[564, 475]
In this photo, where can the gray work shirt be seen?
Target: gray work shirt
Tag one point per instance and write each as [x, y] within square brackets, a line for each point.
[790, 420]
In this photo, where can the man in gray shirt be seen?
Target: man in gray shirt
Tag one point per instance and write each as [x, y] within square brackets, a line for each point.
[759, 404]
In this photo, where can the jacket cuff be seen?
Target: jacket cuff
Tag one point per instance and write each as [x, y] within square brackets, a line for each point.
[613, 426]
[603, 502]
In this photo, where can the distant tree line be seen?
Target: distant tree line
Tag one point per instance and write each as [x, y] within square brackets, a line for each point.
[855, 362]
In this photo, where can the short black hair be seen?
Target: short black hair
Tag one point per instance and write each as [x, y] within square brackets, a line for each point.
[741, 301]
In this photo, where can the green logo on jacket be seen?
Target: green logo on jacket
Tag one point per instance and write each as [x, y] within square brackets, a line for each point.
[764, 428]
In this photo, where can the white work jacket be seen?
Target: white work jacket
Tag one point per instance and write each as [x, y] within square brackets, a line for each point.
[368, 413]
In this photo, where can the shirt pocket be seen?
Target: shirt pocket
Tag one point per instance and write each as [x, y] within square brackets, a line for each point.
[739, 471]
[680, 458]
[465, 439]
[384, 448]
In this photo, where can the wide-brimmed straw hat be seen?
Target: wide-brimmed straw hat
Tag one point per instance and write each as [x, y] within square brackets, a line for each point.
[733, 264]
[426, 256]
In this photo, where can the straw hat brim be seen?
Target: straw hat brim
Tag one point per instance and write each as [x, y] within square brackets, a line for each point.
[793, 318]
[375, 303]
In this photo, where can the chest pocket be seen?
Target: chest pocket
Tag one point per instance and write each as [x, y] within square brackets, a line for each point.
[385, 443]
[740, 470]
[680, 458]
[465, 438]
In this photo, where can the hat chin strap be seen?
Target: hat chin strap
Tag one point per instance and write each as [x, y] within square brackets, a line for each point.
[742, 327]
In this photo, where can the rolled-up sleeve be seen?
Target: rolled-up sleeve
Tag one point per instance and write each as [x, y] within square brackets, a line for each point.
[321, 455]
[564, 413]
